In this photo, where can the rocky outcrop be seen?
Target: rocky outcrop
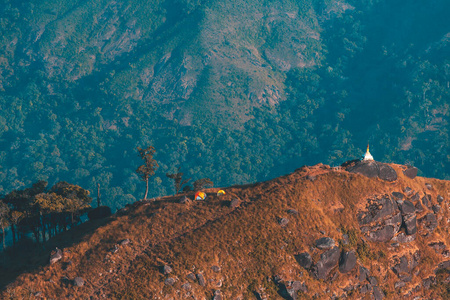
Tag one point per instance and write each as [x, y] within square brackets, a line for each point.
[325, 243]
[381, 220]
[328, 260]
[347, 261]
[372, 169]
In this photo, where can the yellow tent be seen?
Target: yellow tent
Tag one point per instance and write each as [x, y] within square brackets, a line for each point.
[221, 192]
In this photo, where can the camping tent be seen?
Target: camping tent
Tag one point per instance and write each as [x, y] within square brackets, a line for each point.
[221, 192]
[200, 196]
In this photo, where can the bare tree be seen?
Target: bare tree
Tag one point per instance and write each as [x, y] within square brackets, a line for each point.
[178, 178]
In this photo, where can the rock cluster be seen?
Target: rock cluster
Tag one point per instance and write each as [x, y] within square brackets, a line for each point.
[371, 169]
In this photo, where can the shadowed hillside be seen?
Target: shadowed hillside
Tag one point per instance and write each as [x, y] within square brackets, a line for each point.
[319, 232]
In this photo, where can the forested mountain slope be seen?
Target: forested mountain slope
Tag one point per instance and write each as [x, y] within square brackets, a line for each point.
[231, 90]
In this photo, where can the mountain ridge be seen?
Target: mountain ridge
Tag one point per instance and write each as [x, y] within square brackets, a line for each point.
[251, 248]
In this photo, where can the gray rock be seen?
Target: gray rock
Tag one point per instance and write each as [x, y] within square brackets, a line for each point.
[428, 282]
[384, 234]
[373, 281]
[166, 269]
[407, 207]
[444, 265]
[186, 286]
[403, 238]
[170, 281]
[408, 191]
[377, 293]
[396, 221]
[411, 172]
[410, 222]
[124, 242]
[436, 208]
[289, 289]
[365, 288]
[325, 243]
[378, 209]
[402, 266]
[283, 222]
[304, 260]
[416, 197]
[78, 281]
[328, 260]
[428, 186]
[429, 221]
[201, 279]
[235, 203]
[398, 196]
[347, 261]
[292, 211]
[440, 198]
[419, 207]
[56, 256]
[387, 173]
[426, 200]
[363, 274]
[216, 269]
[191, 276]
[217, 295]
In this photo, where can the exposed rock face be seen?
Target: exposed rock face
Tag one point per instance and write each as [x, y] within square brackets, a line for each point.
[166, 269]
[325, 243]
[373, 169]
[328, 260]
[381, 220]
[347, 261]
[409, 217]
[185, 200]
[411, 172]
[235, 203]
[169, 281]
[283, 222]
[304, 260]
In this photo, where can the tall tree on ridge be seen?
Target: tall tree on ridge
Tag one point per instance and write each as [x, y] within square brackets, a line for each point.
[149, 167]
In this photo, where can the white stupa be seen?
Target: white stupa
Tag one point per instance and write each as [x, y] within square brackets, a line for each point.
[368, 156]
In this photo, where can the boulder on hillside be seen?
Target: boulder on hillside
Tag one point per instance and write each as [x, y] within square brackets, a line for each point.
[184, 200]
[166, 269]
[328, 260]
[325, 243]
[55, 255]
[347, 261]
[411, 172]
[440, 198]
[201, 279]
[429, 221]
[99, 213]
[363, 274]
[78, 281]
[304, 260]
[289, 289]
[235, 203]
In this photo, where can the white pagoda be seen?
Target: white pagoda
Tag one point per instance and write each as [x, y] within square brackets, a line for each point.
[368, 156]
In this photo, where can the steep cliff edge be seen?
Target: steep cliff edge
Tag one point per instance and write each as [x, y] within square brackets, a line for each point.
[319, 232]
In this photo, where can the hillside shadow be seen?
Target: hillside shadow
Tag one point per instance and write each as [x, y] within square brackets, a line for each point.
[27, 256]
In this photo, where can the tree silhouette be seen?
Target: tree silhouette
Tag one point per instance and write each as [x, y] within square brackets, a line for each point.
[178, 180]
[202, 183]
[149, 167]
[4, 219]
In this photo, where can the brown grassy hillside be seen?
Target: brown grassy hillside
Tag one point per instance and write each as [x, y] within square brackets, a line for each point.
[244, 252]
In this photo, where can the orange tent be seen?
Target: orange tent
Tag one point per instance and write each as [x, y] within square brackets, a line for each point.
[200, 196]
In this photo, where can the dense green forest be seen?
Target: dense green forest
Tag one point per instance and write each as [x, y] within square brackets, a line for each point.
[236, 92]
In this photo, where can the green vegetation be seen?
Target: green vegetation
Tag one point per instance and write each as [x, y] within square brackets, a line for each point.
[44, 212]
[231, 91]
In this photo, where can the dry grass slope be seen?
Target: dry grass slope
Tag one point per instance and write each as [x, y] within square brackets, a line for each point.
[247, 243]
